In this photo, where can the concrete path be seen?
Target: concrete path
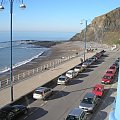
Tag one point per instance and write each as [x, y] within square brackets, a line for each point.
[24, 87]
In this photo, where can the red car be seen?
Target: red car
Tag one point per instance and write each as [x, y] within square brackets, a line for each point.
[111, 71]
[107, 79]
[98, 90]
[114, 68]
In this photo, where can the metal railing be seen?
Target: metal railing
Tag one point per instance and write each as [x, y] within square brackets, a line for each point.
[22, 76]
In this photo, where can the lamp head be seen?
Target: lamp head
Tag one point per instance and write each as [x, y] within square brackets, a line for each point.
[22, 6]
[1, 8]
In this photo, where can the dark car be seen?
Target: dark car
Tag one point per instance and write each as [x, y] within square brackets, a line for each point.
[11, 112]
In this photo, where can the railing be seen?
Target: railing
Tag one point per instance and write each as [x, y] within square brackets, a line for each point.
[22, 76]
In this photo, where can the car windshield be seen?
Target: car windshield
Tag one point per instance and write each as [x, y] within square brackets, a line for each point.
[69, 73]
[87, 100]
[109, 72]
[38, 92]
[70, 117]
[62, 79]
[78, 67]
[112, 67]
[107, 77]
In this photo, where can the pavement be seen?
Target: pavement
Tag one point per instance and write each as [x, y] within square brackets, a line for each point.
[22, 88]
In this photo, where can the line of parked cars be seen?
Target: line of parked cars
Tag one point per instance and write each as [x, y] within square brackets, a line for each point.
[11, 112]
[91, 99]
[110, 74]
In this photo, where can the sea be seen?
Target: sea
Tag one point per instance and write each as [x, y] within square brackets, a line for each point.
[22, 51]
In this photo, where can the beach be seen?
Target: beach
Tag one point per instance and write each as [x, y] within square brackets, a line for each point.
[55, 51]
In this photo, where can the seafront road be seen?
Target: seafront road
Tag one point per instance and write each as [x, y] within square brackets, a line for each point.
[65, 98]
[22, 88]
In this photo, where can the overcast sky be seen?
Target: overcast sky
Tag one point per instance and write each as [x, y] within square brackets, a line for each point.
[54, 15]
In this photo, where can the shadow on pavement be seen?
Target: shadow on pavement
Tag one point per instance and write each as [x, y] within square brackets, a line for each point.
[73, 82]
[58, 94]
[88, 70]
[107, 102]
[93, 66]
[35, 113]
[100, 116]
[81, 75]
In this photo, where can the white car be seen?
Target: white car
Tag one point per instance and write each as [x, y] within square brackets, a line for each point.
[71, 73]
[63, 80]
[79, 68]
[42, 93]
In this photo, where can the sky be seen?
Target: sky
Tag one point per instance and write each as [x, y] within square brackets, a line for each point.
[54, 15]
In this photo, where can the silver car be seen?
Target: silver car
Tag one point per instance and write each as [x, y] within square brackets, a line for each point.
[89, 102]
[63, 80]
[77, 114]
[42, 93]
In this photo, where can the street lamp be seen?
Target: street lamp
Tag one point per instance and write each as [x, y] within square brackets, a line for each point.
[85, 30]
[11, 37]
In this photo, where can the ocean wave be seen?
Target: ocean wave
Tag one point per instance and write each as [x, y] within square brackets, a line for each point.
[20, 63]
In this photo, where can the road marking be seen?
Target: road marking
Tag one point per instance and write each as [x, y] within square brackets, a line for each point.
[43, 104]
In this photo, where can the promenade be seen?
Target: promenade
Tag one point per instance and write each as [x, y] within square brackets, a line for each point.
[22, 88]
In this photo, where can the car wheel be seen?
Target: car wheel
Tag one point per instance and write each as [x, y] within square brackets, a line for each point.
[26, 111]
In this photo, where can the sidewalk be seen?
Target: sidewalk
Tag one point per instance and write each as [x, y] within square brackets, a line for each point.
[30, 84]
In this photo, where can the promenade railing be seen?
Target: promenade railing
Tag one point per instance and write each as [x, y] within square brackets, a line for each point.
[23, 76]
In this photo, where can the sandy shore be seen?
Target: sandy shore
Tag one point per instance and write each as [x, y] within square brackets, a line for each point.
[57, 51]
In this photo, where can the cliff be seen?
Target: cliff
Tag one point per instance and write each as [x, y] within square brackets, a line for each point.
[104, 28]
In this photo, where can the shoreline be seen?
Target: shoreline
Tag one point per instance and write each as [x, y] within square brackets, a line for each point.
[54, 52]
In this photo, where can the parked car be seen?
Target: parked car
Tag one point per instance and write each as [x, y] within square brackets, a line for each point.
[107, 79]
[63, 80]
[42, 93]
[86, 64]
[98, 90]
[71, 73]
[11, 112]
[116, 63]
[77, 114]
[79, 68]
[89, 102]
[113, 67]
[111, 71]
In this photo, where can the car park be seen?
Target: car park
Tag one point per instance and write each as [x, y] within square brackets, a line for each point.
[63, 80]
[11, 112]
[107, 79]
[89, 102]
[71, 73]
[77, 114]
[98, 90]
[42, 93]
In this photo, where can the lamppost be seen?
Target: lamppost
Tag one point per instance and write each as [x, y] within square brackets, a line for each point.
[85, 30]
[11, 39]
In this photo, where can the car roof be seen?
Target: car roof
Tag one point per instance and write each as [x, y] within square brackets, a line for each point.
[76, 112]
[62, 76]
[89, 95]
[107, 74]
[41, 89]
